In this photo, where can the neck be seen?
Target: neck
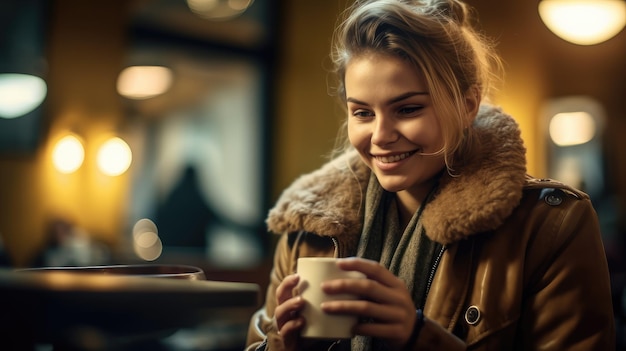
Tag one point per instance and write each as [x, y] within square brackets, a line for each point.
[409, 202]
[404, 213]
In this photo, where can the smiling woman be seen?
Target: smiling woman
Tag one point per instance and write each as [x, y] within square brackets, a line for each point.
[430, 200]
[392, 123]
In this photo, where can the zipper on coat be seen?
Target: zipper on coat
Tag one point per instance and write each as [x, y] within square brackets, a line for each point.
[433, 269]
[336, 245]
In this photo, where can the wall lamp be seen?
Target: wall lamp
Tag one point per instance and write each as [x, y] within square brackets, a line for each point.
[68, 154]
[20, 94]
[144, 82]
[584, 22]
[113, 158]
[219, 9]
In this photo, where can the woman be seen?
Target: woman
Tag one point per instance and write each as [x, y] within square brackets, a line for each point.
[461, 248]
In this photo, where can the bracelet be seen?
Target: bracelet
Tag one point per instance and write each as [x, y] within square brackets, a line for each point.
[419, 323]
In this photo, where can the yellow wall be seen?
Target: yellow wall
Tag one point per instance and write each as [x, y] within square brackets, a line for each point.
[85, 51]
[307, 118]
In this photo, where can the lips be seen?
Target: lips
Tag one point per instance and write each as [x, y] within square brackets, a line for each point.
[394, 158]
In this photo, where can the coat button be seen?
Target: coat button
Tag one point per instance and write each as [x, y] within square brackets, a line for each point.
[472, 315]
[554, 199]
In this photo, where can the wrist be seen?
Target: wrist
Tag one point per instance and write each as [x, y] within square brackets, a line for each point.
[419, 323]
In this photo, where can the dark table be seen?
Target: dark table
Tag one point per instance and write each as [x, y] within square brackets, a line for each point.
[109, 308]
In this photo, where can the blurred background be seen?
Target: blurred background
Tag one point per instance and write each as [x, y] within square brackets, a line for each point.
[136, 131]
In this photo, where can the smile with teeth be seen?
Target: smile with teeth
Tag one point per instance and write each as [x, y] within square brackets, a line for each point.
[394, 158]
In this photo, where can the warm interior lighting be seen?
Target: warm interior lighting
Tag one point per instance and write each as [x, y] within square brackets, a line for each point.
[68, 154]
[584, 22]
[146, 242]
[114, 157]
[218, 9]
[20, 94]
[143, 82]
[572, 128]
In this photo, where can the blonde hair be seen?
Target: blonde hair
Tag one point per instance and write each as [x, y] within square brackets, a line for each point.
[435, 36]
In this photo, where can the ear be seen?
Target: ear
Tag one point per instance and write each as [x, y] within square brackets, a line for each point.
[472, 103]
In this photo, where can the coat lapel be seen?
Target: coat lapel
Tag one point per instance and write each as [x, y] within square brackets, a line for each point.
[451, 284]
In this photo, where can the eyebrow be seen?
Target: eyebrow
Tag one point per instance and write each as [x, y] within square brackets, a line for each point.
[393, 100]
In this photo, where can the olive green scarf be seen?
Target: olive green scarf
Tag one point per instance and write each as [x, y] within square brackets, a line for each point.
[408, 254]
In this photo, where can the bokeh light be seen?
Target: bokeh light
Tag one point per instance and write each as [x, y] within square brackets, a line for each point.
[146, 242]
[143, 82]
[114, 157]
[572, 128]
[20, 94]
[219, 9]
[68, 154]
[584, 22]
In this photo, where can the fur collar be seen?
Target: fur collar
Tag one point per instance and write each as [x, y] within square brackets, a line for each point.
[479, 198]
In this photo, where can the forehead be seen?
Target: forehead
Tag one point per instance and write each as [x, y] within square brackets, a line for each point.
[375, 71]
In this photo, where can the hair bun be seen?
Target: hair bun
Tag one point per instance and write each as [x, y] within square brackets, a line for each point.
[453, 9]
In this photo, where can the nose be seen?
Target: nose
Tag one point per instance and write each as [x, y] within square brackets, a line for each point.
[384, 132]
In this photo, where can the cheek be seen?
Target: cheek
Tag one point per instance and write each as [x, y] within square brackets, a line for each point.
[357, 136]
[361, 143]
[427, 134]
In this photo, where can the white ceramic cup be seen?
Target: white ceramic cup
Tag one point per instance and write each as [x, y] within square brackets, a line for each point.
[313, 271]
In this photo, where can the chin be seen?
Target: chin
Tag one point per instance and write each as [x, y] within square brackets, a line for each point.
[391, 186]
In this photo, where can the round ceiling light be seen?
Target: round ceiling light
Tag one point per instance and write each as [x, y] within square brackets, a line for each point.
[584, 22]
[20, 94]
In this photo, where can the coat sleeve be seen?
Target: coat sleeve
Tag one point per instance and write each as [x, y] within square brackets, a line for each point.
[261, 330]
[541, 283]
[262, 333]
[568, 303]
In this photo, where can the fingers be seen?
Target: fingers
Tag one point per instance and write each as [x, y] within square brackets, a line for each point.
[372, 269]
[287, 311]
[365, 288]
[376, 300]
[391, 321]
[292, 327]
[381, 286]
[286, 314]
[384, 301]
[396, 333]
[366, 309]
[285, 289]
[289, 322]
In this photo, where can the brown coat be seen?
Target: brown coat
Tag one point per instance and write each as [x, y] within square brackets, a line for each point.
[524, 266]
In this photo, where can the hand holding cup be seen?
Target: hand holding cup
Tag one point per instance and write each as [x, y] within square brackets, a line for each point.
[313, 271]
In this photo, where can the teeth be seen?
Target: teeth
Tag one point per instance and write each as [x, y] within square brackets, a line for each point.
[394, 158]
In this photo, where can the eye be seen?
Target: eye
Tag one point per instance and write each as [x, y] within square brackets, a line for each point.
[360, 113]
[410, 110]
